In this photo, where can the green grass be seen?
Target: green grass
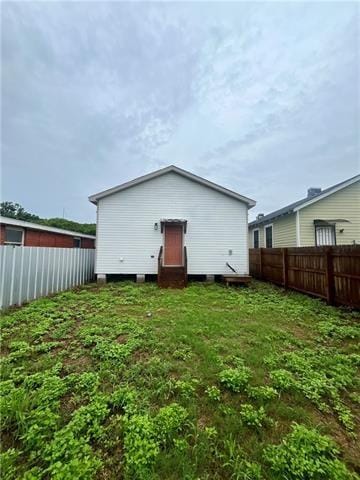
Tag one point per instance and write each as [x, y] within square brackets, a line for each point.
[129, 381]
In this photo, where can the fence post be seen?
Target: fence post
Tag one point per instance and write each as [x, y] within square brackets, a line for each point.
[285, 267]
[329, 273]
[261, 265]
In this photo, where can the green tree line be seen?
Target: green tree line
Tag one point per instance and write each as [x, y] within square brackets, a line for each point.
[14, 210]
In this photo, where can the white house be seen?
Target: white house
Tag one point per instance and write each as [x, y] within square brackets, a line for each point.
[171, 223]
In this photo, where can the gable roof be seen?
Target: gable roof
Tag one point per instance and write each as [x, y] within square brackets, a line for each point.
[36, 226]
[304, 202]
[172, 168]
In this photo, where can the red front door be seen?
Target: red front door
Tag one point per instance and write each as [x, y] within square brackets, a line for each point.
[173, 245]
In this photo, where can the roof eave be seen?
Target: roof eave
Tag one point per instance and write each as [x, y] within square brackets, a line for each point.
[172, 168]
[42, 227]
[256, 223]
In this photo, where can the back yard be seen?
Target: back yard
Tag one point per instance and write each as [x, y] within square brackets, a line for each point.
[129, 381]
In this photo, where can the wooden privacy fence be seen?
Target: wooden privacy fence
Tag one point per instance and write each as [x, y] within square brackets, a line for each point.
[27, 273]
[331, 273]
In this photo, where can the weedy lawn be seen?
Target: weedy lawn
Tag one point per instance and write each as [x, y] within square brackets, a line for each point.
[129, 381]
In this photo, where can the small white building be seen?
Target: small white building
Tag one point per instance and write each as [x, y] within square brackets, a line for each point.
[171, 223]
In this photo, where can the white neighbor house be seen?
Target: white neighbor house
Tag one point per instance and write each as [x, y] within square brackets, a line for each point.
[173, 209]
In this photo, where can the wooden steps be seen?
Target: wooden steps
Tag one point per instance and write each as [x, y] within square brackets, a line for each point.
[234, 278]
[172, 277]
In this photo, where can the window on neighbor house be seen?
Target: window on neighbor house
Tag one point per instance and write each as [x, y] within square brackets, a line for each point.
[14, 236]
[77, 242]
[325, 235]
[269, 236]
[256, 239]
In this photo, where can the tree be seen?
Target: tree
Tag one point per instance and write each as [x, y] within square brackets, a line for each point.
[14, 210]
[87, 228]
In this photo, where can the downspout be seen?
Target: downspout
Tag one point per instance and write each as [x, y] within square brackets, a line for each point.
[298, 238]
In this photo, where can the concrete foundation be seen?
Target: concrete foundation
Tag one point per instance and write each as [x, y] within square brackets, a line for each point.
[101, 278]
[140, 278]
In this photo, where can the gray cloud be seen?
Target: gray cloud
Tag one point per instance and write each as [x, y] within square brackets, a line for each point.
[245, 94]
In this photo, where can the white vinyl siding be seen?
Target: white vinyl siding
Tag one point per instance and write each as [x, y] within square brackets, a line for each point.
[127, 242]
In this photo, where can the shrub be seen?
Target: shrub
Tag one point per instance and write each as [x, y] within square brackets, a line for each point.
[263, 392]
[40, 427]
[235, 379]
[251, 416]
[69, 453]
[141, 446]
[305, 454]
[329, 328]
[70, 457]
[282, 379]
[213, 392]
[8, 461]
[114, 352]
[186, 388]
[84, 383]
[183, 353]
[168, 421]
[211, 432]
[321, 375]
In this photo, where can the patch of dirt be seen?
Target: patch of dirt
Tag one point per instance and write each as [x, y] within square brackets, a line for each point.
[300, 332]
[121, 338]
[67, 405]
[202, 422]
[4, 351]
[80, 364]
[162, 311]
[141, 355]
[349, 446]
[9, 441]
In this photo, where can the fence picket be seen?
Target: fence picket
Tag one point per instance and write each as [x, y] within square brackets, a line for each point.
[13, 260]
[42, 272]
[29, 276]
[48, 272]
[331, 273]
[21, 277]
[36, 272]
[2, 286]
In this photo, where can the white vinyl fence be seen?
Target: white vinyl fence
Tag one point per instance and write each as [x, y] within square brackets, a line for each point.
[27, 273]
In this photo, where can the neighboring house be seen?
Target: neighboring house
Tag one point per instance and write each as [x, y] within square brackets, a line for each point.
[324, 217]
[28, 234]
[171, 208]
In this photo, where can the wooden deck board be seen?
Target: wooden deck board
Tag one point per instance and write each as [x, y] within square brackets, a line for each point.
[229, 279]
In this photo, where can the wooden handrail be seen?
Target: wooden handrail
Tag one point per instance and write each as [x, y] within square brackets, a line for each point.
[159, 257]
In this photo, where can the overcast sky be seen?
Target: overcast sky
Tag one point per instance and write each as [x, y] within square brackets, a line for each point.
[262, 98]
